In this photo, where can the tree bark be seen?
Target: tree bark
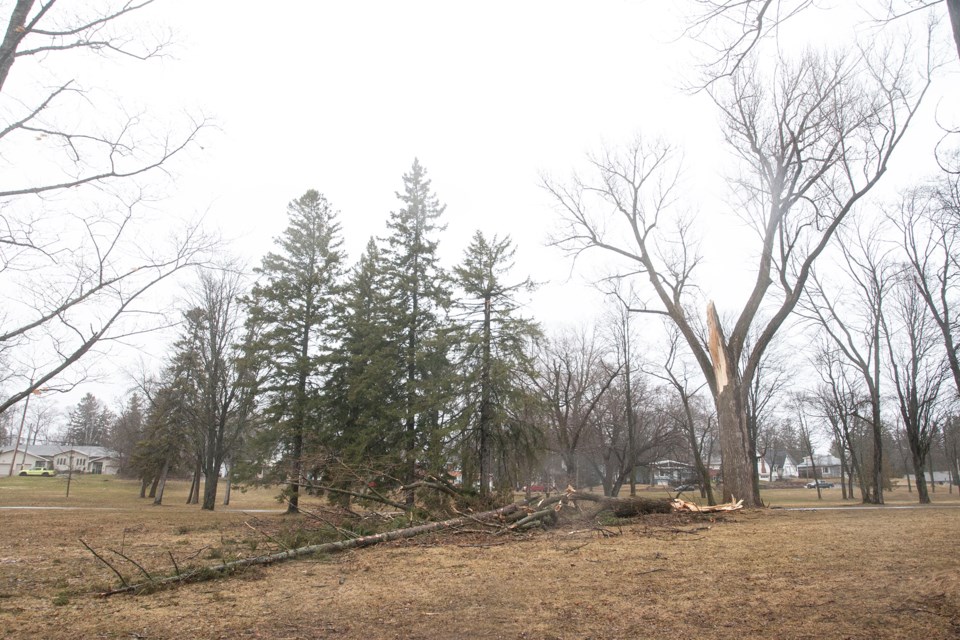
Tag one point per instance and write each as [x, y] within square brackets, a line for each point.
[153, 487]
[734, 437]
[161, 485]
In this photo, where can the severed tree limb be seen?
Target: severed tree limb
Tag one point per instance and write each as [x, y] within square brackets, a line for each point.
[96, 555]
[330, 547]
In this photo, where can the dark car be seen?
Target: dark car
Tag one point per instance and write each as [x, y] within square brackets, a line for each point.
[822, 483]
[686, 487]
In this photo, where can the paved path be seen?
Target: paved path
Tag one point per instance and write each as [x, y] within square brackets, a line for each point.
[27, 508]
[866, 507]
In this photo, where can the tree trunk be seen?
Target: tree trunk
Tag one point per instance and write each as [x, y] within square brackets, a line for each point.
[153, 487]
[194, 496]
[144, 483]
[486, 407]
[330, 547]
[738, 469]
[210, 485]
[918, 463]
[228, 488]
[158, 500]
[843, 476]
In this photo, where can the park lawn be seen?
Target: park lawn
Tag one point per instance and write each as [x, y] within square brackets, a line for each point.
[111, 492]
[888, 573]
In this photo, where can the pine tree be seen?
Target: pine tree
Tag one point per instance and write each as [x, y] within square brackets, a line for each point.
[89, 422]
[363, 394]
[292, 305]
[494, 353]
[127, 430]
[420, 299]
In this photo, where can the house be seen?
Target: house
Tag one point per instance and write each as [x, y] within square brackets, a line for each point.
[777, 467]
[63, 458]
[670, 472]
[828, 466]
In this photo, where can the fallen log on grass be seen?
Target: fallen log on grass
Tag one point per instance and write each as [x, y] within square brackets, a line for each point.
[204, 573]
[512, 517]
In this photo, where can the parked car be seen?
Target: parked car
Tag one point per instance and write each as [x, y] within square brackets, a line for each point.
[36, 471]
[686, 487]
[823, 484]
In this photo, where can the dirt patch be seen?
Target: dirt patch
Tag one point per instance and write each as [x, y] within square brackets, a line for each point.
[842, 574]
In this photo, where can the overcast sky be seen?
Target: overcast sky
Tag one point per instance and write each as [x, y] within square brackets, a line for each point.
[341, 96]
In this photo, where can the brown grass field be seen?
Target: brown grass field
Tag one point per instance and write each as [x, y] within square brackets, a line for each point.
[867, 573]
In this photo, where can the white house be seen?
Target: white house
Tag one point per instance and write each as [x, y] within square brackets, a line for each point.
[777, 467]
[668, 472]
[63, 458]
[828, 466]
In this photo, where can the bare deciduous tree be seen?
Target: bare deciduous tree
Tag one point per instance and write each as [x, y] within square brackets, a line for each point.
[918, 369]
[928, 219]
[814, 137]
[573, 377]
[74, 196]
[852, 319]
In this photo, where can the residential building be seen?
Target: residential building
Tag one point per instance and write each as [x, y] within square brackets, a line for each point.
[63, 458]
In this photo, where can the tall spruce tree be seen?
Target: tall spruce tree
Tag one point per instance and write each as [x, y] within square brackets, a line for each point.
[292, 304]
[364, 398]
[420, 298]
[494, 355]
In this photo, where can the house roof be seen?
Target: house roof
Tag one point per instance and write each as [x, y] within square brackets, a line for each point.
[821, 460]
[51, 450]
[779, 460]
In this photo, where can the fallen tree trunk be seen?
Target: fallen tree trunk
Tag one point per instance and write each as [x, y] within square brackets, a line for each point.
[329, 547]
[511, 518]
[621, 507]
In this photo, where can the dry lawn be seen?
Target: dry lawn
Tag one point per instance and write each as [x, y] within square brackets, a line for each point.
[891, 573]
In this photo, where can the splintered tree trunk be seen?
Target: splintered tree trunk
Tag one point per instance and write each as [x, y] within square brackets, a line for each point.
[734, 436]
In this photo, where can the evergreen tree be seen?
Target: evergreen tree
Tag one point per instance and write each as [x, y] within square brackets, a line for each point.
[494, 354]
[127, 430]
[420, 298]
[364, 397]
[292, 304]
[89, 422]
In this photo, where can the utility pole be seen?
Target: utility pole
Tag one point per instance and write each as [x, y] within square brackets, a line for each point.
[23, 419]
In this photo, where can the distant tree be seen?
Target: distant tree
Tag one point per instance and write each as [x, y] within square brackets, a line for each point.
[572, 378]
[89, 423]
[420, 299]
[838, 400]
[494, 352]
[918, 368]
[127, 430]
[850, 315]
[292, 304]
[680, 380]
[928, 219]
[225, 378]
